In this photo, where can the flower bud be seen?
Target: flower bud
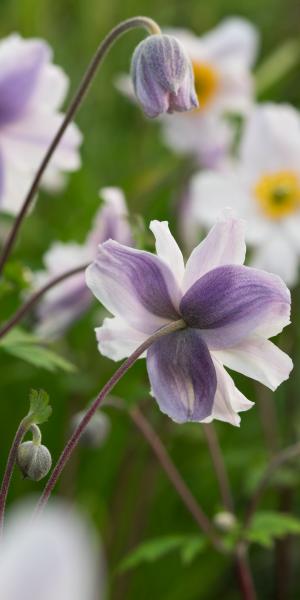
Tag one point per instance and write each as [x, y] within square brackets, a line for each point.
[34, 460]
[95, 432]
[225, 521]
[162, 76]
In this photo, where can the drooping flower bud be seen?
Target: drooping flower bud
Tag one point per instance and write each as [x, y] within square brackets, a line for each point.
[34, 460]
[162, 76]
[95, 432]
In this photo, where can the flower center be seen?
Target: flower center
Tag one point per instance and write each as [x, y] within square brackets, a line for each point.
[278, 194]
[206, 83]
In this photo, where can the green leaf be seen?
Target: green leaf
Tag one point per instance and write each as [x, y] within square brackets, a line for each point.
[40, 410]
[156, 548]
[269, 525]
[29, 348]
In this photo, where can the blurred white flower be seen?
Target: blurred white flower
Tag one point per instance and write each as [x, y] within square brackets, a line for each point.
[222, 61]
[262, 186]
[51, 558]
[32, 91]
[65, 302]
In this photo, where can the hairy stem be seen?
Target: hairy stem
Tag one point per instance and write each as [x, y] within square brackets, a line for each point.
[27, 306]
[175, 478]
[75, 437]
[76, 102]
[11, 460]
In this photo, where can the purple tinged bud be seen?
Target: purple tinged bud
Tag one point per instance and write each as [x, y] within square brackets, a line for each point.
[162, 76]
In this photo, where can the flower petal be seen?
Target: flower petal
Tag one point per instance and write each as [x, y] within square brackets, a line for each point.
[111, 221]
[278, 255]
[117, 340]
[167, 248]
[229, 303]
[182, 376]
[228, 401]
[235, 39]
[134, 285]
[224, 245]
[259, 359]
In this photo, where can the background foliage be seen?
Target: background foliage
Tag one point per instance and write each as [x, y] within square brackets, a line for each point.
[121, 485]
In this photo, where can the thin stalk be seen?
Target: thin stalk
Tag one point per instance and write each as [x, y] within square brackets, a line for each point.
[244, 574]
[219, 466]
[75, 437]
[11, 460]
[280, 459]
[175, 478]
[27, 306]
[76, 102]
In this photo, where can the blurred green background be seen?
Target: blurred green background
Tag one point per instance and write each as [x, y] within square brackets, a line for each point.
[121, 486]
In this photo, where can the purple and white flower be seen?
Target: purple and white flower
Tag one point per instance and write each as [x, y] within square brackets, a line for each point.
[65, 302]
[230, 312]
[52, 557]
[32, 91]
[263, 187]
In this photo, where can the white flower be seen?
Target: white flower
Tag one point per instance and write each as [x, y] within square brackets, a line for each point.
[51, 558]
[263, 186]
[32, 91]
[222, 61]
[65, 302]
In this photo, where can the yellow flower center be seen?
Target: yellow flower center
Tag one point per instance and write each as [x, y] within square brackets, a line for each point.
[206, 82]
[278, 194]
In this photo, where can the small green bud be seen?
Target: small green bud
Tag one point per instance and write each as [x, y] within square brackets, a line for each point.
[34, 460]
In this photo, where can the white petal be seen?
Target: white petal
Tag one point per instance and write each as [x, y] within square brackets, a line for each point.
[259, 359]
[229, 401]
[117, 340]
[277, 255]
[225, 244]
[51, 88]
[167, 248]
[235, 39]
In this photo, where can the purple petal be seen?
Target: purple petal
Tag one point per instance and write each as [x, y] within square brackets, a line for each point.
[229, 303]
[135, 285]
[22, 64]
[182, 376]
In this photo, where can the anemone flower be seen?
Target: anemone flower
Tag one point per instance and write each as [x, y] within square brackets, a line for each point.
[263, 186]
[32, 91]
[230, 311]
[65, 302]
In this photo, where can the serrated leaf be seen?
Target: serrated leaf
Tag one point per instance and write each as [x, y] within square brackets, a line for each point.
[28, 347]
[156, 548]
[269, 525]
[40, 410]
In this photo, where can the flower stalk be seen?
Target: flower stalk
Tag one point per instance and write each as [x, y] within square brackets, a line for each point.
[76, 102]
[75, 437]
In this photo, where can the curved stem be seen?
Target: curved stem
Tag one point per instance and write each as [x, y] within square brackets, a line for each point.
[27, 306]
[75, 437]
[174, 476]
[21, 431]
[219, 466]
[278, 460]
[79, 96]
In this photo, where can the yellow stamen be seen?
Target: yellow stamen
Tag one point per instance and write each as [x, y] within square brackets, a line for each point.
[206, 82]
[278, 194]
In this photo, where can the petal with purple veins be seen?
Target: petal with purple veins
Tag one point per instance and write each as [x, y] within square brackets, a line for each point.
[229, 303]
[224, 245]
[134, 285]
[182, 376]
